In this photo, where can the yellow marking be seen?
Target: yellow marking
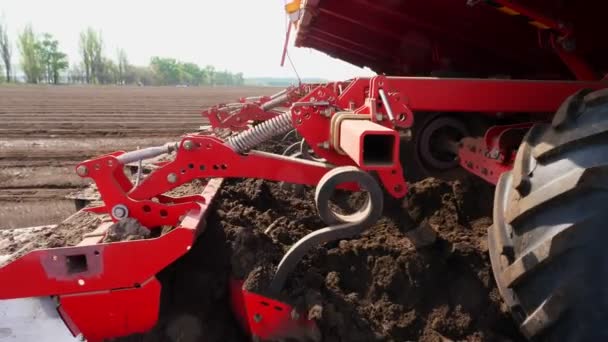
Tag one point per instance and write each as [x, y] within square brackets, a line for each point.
[293, 6]
[508, 11]
[539, 25]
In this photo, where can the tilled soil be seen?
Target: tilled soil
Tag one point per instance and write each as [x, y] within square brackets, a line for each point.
[46, 130]
[18, 242]
[377, 287]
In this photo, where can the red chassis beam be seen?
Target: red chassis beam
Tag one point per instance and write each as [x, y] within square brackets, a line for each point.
[488, 96]
[410, 95]
[117, 293]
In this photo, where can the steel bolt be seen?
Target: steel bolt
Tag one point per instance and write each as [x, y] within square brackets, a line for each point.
[379, 117]
[295, 315]
[188, 145]
[82, 170]
[257, 318]
[172, 178]
[327, 112]
[324, 145]
[494, 154]
[120, 211]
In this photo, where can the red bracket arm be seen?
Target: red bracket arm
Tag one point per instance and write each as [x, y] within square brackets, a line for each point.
[200, 157]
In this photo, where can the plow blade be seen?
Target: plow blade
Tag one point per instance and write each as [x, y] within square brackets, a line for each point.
[268, 319]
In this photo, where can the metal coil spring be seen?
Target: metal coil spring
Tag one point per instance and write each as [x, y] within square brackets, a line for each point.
[258, 134]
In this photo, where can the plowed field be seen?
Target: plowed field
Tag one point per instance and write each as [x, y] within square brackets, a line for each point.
[45, 131]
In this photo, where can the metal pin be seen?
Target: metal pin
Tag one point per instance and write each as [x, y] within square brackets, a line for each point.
[139, 171]
[188, 145]
[257, 318]
[389, 111]
[82, 170]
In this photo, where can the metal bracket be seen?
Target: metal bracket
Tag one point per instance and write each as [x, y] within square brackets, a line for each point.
[334, 127]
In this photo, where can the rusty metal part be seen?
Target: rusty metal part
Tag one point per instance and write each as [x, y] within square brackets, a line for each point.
[340, 226]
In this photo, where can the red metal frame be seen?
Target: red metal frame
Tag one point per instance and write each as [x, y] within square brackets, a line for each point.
[537, 16]
[221, 117]
[409, 95]
[579, 67]
[122, 311]
[474, 157]
[268, 319]
[488, 96]
[423, 37]
[237, 116]
[314, 126]
[117, 293]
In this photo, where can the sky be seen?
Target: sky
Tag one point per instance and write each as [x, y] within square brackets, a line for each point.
[237, 35]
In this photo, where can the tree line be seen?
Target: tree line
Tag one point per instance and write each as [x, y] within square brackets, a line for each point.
[42, 61]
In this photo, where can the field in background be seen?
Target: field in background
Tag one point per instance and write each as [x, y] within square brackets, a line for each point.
[45, 131]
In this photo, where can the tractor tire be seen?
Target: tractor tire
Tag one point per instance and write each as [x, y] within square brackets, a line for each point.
[548, 244]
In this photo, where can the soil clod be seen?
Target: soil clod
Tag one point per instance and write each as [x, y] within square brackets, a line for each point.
[126, 230]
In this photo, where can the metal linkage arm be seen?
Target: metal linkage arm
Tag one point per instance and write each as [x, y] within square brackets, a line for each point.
[197, 157]
[236, 116]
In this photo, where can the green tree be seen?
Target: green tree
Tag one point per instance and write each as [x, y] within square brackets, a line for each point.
[76, 74]
[190, 74]
[239, 79]
[222, 78]
[52, 60]
[140, 76]
[210, 75]
[5, 51]
[167, 70]
[123, 66]
[29, 46]
[108, 72]
[91, 50]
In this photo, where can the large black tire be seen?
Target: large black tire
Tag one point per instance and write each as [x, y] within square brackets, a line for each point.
[549, 241]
